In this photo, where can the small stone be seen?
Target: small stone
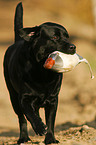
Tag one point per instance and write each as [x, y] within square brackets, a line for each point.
[85, 127]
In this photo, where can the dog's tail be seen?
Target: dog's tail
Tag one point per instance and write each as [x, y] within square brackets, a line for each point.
[18, 21]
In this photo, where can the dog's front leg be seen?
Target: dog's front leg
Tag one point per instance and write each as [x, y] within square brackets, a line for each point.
[32, 115]
[50, 114]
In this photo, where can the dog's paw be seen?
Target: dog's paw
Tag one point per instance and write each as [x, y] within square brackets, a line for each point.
[40, 128]
[50, 139]
[24, 139]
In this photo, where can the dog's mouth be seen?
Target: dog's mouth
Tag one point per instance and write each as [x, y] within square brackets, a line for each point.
[61, 62]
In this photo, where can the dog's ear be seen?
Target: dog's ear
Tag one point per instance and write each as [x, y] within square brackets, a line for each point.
[27, 33]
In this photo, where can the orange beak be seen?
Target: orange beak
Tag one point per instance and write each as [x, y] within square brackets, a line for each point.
[49, 63]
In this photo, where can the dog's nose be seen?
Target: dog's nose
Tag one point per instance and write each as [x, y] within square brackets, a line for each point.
[72, 46]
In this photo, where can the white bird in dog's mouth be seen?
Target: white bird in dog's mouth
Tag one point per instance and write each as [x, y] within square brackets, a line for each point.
[61, 62]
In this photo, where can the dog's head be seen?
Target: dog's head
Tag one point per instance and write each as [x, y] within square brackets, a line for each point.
[47, 38]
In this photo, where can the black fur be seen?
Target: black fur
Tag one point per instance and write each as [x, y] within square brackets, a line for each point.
[30, 85]
[18, 21]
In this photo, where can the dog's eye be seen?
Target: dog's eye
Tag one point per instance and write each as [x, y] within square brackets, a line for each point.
[55, 37]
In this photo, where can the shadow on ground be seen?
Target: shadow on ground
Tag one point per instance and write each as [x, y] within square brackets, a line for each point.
[65, 126]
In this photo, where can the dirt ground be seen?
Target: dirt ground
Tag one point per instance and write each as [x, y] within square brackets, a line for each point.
[76, 115]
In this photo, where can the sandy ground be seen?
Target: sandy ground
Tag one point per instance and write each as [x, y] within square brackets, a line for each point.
[76, 116]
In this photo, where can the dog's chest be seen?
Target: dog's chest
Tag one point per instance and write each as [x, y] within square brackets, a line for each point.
[44, 91]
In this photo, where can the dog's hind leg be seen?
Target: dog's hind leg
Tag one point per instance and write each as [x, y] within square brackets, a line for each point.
[18, 110]
[22, 121]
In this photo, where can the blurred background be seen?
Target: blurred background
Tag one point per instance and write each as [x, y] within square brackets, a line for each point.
[77, 98]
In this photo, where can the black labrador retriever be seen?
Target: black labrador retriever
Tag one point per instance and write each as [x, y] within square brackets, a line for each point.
[30, 85]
